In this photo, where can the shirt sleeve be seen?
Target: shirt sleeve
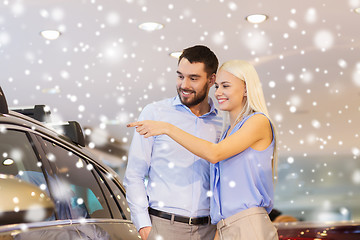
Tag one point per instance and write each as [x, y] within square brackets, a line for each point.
[137, 169]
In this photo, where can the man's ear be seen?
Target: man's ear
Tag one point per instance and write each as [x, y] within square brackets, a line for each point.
[212, 79]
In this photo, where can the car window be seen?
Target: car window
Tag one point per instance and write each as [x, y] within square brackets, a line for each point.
[73, 185]
[108, 192]
[119, 195]
[19, 159]
[17, 154]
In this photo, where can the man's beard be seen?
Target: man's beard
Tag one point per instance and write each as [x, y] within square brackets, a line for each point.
[197, 98]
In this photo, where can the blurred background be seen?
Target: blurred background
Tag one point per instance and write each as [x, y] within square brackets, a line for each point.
[111, 58]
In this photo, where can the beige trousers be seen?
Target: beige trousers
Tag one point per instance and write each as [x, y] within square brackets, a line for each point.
[250, 224]
[163, 229]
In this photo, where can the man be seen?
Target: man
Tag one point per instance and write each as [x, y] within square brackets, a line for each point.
[175, 203]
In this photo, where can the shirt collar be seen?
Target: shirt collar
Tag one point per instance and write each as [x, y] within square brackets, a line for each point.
[177, 102]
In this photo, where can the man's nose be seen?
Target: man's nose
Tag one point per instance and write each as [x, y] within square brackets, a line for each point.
[186, 83]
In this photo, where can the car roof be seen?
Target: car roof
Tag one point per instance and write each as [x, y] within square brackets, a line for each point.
[19, 119]
[16, 118]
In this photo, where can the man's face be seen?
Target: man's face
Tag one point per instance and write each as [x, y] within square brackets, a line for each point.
[192, 82]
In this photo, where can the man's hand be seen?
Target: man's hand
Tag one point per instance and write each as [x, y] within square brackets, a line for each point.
[144, 232]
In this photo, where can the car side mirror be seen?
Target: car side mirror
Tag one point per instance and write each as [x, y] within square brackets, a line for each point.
[23, 202]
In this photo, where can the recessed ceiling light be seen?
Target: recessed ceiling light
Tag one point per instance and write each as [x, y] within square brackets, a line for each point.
[150, 26]
[256, 18]
[51, 90]
[50, 34]
[175, 54]
[357, 10]
[8, 162]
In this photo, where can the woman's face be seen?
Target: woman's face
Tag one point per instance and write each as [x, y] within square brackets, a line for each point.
[230, 91]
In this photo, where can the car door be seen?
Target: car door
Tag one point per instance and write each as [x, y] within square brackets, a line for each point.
[85, 193]
[86, 206]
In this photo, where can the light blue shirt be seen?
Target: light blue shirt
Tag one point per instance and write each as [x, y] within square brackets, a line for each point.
[178, 181]
[242, 181]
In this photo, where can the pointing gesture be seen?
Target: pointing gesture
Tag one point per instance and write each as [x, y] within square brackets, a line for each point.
[150, 128]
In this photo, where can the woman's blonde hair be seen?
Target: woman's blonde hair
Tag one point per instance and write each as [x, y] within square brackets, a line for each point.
[255, 101]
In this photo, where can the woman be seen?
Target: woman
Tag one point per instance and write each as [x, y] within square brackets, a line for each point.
[243, 162]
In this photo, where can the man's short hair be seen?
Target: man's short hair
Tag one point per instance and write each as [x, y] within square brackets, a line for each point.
[201, 54]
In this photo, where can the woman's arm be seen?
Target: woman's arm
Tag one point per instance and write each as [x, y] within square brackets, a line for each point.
[255, 130]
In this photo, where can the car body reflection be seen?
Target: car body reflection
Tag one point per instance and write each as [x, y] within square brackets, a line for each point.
[94, 229]
[347, 230]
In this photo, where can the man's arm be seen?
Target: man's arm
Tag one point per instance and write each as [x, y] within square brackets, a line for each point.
[136, 171]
